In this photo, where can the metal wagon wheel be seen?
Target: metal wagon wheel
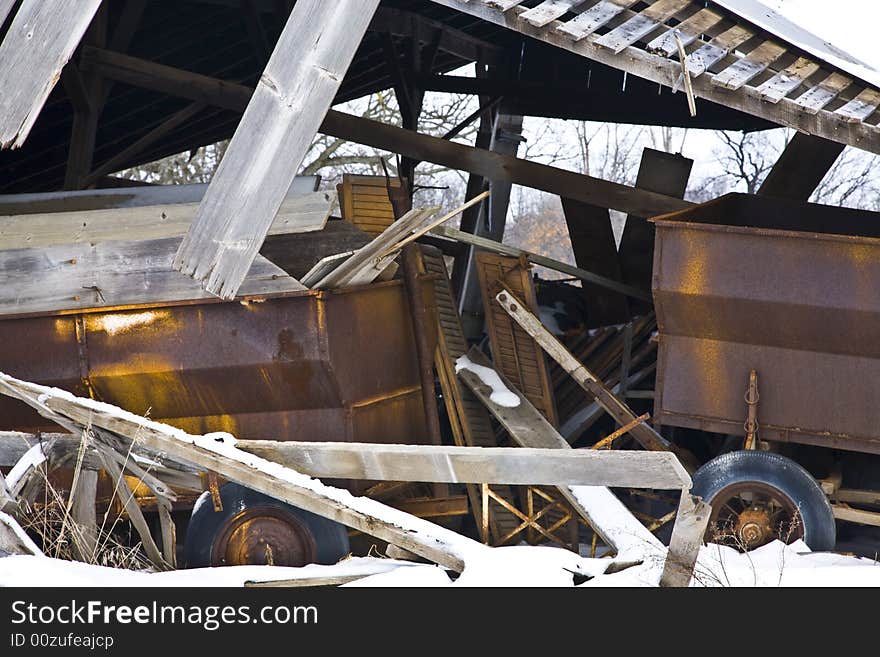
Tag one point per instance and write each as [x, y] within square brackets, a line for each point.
[758, 497]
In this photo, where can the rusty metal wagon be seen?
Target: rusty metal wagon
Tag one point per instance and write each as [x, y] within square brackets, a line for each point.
[767, 314]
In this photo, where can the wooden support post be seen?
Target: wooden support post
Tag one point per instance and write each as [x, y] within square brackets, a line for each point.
[643, 433]
[86, 110]
[292, 97]
[84, 515]
[801, 167]
[659, 172]
[506, 138]
[687, 537]
[592, 240]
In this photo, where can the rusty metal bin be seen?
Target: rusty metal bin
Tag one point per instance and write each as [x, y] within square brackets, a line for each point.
[789, 289]
[302, 366]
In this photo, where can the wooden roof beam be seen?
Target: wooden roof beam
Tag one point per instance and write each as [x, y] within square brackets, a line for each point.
[492, 166]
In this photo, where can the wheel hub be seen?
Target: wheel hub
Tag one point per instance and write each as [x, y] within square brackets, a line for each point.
[263, 536]
[753, 527]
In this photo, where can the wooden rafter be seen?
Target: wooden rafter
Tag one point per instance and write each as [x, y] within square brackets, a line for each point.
[826, 102]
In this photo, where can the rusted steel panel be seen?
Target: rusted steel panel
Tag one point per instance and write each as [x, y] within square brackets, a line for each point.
[738, 287]
[312, 366]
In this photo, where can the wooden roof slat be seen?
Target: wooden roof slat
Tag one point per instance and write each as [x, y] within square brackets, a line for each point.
[787, 80]
[594, 18]
[699, 61]
[860, 107]
[548, 11]
[641, 24]
[740, 72]
[689, 30]
[823, 93]
[503, 5]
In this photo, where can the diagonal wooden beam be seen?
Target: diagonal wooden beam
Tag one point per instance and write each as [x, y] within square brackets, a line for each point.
[801, 167]
[281, 120]
[493, 166]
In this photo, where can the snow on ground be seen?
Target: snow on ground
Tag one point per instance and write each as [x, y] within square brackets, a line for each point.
[773, 565]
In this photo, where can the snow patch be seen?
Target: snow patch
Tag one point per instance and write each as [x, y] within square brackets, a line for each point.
[30, 459]
[501, 395]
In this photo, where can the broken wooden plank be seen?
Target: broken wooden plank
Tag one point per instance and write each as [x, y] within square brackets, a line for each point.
[113, 274]
[216, 453]
[40, 41]
[373, 257]
[284, 114]
[690, 525]
[475, 465]
[611, 520]
[550, 263]
[642, 432]
[301, 213]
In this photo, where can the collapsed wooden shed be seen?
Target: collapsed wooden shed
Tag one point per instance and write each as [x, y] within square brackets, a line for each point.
[143, 79]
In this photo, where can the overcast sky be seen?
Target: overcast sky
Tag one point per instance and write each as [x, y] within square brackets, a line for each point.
[851, 25]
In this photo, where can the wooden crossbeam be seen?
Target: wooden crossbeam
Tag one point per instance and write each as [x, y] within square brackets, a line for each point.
[475, 465]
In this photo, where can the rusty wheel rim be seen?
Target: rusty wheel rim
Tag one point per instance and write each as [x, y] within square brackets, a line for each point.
[747, 515]
[263, 535]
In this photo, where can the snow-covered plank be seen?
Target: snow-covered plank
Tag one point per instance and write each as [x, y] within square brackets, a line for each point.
[291, 100]
[528, 428]
[40, 41]
[217, 453]
[593, 18]
[112, 274]
[641, 25]
[475, 465]
[787, 80]
[699, 61]
[815, 98]
[301, 213]
[548, 11]
[860, 107]
[13, 539]
[688, 31]
[747, 68]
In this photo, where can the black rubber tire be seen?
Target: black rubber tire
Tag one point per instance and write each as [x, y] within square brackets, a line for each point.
[777, 471]
[331, 538]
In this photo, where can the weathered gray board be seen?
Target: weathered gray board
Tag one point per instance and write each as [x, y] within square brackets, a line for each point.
[475, 465]
[301, 213]
[292, 97]
[40, 41]
[126, 197]
[107, 274]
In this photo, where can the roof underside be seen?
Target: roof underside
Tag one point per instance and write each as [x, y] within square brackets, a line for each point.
[559, 76]
[801, 83]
